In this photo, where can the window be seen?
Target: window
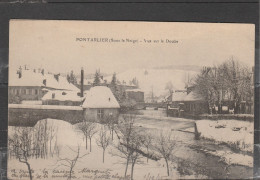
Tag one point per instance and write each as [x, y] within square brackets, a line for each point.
[17, 92]
[23, 91]
[36, 91]
[100, 113]
[30, 91]
[27, 91]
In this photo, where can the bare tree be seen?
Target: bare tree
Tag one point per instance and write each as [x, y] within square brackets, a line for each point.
[132, 153]
[131, 142]
[111, 121]
[71, 162]
[135, 151]
[84, 127]
[56, 149]
[126, 128]
[103, 141]
[165, 145]
[230, 80]
[124, 153]
[41, 139]
[147, 142]
[91, 132]
[238, 82]
[21, 145]
[52, 131]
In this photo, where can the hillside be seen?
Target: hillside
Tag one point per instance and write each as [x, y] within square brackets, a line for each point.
[156, 79]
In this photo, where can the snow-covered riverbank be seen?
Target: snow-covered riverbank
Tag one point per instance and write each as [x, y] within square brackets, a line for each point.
[238, 135]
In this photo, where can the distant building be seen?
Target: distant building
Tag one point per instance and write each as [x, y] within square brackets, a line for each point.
[105, 82]
[99, 104]
[31, 85]
[181, 103]
[135, 94]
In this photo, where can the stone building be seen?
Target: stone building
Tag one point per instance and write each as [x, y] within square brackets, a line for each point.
[135, 94]
[62, 97]
[27, 85]
[100, 104]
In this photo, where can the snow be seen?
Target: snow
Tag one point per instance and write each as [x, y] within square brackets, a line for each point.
[183, 96]
[63, 129]
[178, 96]
[68, 139]
[231, 158]
[62, 95]
[100, 97]
[30, 106]
[156, 79]
[233, 132]
[192, 97]
[30, 78]
[133, 90]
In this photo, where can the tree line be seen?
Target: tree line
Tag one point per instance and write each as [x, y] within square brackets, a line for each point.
[230, 82]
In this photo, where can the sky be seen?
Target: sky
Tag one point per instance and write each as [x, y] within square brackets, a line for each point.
[53, 44]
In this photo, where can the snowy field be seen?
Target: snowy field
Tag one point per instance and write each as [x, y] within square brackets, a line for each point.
[236, 134]
[67, 139]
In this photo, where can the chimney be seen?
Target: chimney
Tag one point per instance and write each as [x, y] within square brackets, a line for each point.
[19, 72]
[56, 76]
[82, 83]
[44, 82]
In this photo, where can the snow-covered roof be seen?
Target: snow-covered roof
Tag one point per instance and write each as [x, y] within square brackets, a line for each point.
[192, 97]
[133, 90]
[31, 78]
[61, 95]
[28, 78]
[178, 96]
[100, 97]
[183, 96]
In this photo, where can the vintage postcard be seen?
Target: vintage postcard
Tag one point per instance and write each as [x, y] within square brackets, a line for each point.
[130, 100]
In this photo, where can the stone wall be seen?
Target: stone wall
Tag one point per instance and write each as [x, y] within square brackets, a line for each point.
[30, 116]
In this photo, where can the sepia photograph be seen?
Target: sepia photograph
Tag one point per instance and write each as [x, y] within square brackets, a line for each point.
[128, 100]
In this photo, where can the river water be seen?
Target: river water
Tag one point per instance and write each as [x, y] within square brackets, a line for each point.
[190, 157]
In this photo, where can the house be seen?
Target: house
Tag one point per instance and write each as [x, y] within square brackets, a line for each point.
[62, 97]
[194, 105]
[31, 85]
[181, 103]
[135, 94]
[100, 104]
